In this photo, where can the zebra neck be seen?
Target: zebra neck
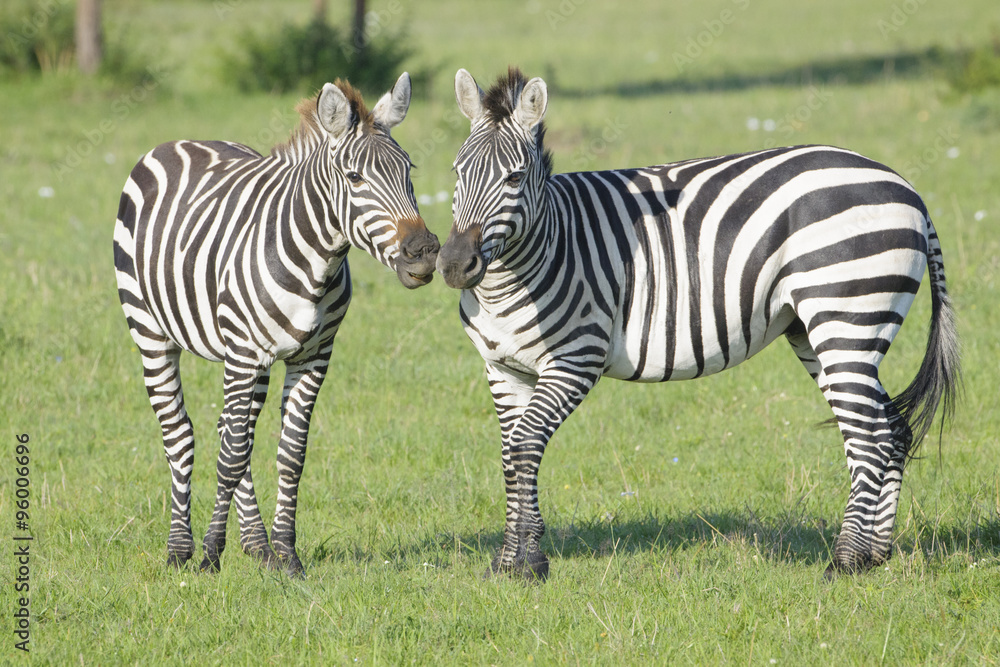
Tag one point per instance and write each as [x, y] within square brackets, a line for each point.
[528, 263]
[311, 228]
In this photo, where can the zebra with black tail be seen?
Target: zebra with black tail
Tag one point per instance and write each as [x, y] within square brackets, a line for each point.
[681, 270]
[242, 258]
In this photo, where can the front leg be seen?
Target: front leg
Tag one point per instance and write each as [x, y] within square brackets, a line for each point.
[525, 432]
[303, 379]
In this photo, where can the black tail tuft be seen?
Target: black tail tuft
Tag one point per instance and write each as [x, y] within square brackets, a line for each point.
[939, 375]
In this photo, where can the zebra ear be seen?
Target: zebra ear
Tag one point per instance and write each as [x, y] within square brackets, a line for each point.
[391, 109]
[469, 95]
[334, 111]
[531, 107]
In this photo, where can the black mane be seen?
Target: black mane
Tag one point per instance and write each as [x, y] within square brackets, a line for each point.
[500, 101]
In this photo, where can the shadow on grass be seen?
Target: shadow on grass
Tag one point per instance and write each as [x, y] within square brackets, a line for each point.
[844, 70]
[794, 539]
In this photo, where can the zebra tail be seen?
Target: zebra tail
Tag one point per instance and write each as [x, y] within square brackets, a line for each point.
[939, 377]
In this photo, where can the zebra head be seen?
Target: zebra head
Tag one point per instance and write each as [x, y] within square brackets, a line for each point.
[502, 169]
[371, 173]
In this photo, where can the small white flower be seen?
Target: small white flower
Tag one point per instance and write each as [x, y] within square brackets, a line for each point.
[753, 124]
[979, 215]
[824, 645]
[442, 196]
[386, 563]
[770, 125]
[46, 192]
[952, 152]
[425, 200]
[183, 584]
[109, 158]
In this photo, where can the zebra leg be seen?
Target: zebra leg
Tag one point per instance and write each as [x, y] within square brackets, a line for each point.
[238, 418]
[253, 534]
[876, 440]
[161, 372]
[511, 393]
[302, 384]
[558, 392]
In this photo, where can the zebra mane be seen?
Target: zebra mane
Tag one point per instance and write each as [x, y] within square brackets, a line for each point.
[500, 101]
[309, 134]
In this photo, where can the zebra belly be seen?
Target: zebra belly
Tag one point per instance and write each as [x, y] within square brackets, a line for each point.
[651, 359]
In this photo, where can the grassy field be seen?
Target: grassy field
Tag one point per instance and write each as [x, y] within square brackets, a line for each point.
[687, 523]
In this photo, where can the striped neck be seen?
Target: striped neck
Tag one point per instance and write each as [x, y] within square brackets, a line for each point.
[311, 215]
[528, 263]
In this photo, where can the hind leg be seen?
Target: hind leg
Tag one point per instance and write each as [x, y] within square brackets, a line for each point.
[161, 372]
[238, 419]
[253, 534]
[876, 441]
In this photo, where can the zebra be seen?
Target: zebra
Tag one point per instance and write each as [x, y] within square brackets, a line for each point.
[241, 258]
[682, 270]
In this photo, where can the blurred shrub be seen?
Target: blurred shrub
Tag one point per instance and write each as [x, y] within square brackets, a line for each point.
[38, 37]
[977, 69]
[304, 57]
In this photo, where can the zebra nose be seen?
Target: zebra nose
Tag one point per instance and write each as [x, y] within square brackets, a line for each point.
[460, 261]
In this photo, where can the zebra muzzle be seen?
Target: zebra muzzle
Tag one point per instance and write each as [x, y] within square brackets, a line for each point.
[460, 261]
[418, 250]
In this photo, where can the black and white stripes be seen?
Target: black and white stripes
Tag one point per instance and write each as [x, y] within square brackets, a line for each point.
[682, 270]
[242, 258]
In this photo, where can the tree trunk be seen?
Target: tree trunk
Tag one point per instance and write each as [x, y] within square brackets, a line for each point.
[358, 27]
[89, 39]
[319, 11]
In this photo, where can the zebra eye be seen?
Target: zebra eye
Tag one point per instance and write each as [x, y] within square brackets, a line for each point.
[354, 177]
[515, 177]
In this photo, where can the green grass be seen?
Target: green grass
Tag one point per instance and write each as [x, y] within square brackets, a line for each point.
[716, 557]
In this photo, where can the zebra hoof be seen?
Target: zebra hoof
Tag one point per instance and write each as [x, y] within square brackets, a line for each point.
[849, 566]
[290, 564]
[178, 561]
[210, 564]
[265, 556]
[533, 568]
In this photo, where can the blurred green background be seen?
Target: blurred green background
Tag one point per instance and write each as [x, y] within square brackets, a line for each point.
[688, 522]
